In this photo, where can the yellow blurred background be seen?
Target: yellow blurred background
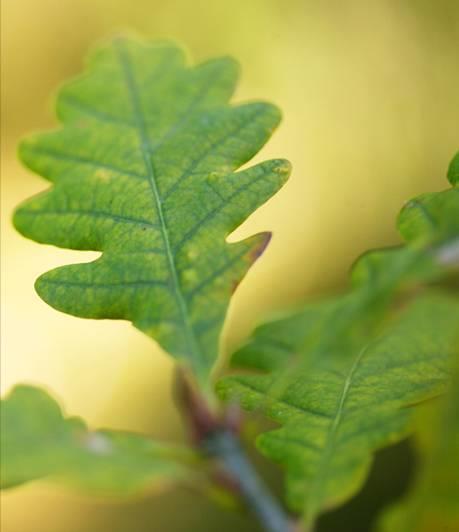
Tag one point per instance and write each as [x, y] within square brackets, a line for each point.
[370, 95]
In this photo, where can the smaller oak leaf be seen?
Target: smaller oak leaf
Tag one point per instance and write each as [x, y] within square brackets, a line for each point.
[342, 376]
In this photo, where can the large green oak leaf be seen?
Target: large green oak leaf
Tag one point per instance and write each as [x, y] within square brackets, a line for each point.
[144, 170]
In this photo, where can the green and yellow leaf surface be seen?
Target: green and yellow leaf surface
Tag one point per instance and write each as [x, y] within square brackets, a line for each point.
[143, 170]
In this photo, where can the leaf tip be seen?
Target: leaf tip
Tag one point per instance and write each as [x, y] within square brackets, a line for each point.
[21, 222]
[453, 170]
[17, 220]
[40, 286]
[283, 168]
[258, 250]
[23, 149]
[229, 64]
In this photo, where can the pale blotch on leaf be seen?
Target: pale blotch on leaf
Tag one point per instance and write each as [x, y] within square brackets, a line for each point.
[97, 443]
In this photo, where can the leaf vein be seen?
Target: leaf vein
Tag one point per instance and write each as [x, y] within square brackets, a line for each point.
[83, 160]
[72, 101]
[94, 285]
[191, 233]
[218, 143]
[93, 214]
[131, 85]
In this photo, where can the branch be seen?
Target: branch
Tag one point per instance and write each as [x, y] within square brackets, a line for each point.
[217, 437]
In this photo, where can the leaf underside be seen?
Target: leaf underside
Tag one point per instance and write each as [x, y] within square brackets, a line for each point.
[37, 441]
[343, 376]
[143, 170]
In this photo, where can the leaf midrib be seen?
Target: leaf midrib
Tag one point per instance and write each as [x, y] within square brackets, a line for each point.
[322, 472]
[147, 149]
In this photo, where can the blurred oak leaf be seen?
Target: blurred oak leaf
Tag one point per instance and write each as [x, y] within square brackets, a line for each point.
[37, 441]
[343, 376]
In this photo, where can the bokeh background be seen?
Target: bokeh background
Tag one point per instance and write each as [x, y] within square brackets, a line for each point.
[369, 93]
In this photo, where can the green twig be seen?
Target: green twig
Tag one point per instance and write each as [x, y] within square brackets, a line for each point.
[217, 436]
[223, 445]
